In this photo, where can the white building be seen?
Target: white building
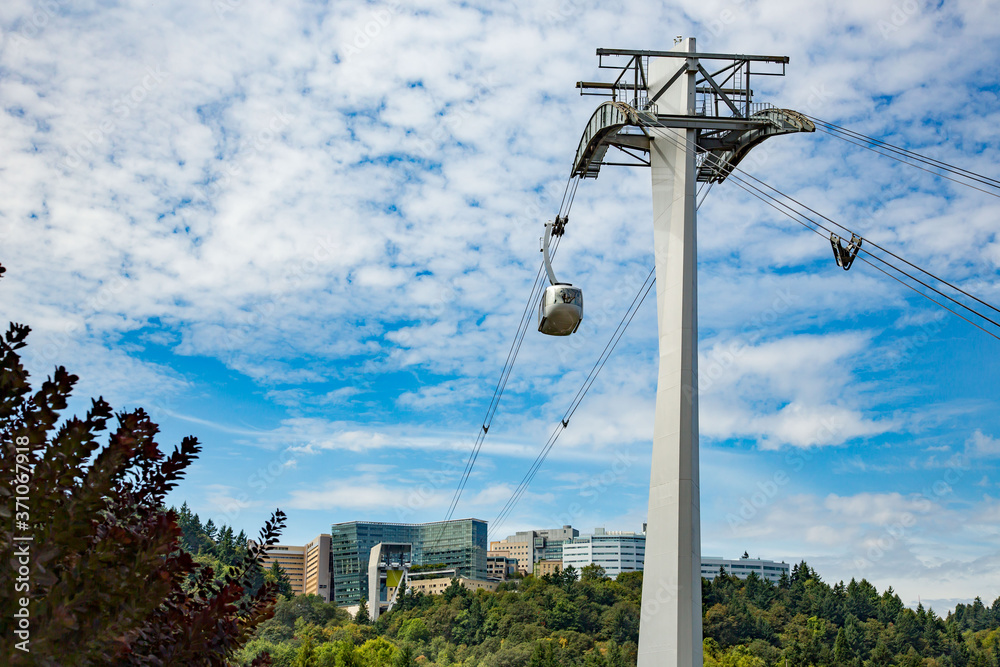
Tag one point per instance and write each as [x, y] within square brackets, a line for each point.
[615, 551]
[619, 552]
[765, 569]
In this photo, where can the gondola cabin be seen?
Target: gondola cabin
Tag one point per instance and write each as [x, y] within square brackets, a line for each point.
[561, 310]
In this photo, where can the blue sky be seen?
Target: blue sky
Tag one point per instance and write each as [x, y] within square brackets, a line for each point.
[304, 232]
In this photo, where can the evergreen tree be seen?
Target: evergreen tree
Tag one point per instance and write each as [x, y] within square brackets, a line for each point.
[542, 656]
[277, 577]
[615, 657]
[405, 658]
[210, 530]
[225, 547]
[361, 618]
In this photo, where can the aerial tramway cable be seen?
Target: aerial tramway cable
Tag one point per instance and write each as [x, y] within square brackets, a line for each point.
[563, 424]
[791, 212]
[852, 137]
[807, 222]
[566, 203]
[588, 382]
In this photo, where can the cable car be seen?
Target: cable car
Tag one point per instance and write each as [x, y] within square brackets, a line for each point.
[561, 309]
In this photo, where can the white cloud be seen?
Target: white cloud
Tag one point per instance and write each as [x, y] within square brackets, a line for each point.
[981, 445]
[906, 541]
[348, 225]
[796, 391]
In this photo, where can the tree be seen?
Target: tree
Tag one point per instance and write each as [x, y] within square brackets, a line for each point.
[405, 658]
[92, 532]
[276, 576]
[362, 617]
[593, 572]
[306, 656]
[542, 656]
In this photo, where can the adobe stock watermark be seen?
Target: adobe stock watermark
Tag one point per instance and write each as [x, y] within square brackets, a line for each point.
[721, 359]
[771, 488]
[900, 15]
[903, 348]
[247, 151]
[595, 487]
[564, 10]
[369, 31]
[421, 495]
[569, 348]
[42, 14]
[456, 117]
[258, 481]
[655, 596]
[86, 149]
[324, 250]
[98, 302]
[725, 18]
[893, 533]
[223, 7]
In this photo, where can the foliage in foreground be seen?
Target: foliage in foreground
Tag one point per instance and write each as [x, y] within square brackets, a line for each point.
[594, 621]
[94, 572]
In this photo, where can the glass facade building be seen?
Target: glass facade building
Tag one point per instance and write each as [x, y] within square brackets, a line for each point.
[459, 544]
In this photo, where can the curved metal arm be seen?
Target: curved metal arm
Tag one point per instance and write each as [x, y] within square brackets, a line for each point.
[545, 253]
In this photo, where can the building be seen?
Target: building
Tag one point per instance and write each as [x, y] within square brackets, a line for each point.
[531, 546]
[437, 585]
[318, 568]
[388, 566]
[615, 551]
[499, 566]
[765, 569]
[517, 551]
[292, 560]
[458, 544]
[544, 567]
[309, 568]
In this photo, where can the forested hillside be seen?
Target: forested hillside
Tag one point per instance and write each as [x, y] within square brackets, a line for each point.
[586, 619]
[593, 621]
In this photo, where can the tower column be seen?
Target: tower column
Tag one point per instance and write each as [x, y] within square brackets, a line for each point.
[670, 632]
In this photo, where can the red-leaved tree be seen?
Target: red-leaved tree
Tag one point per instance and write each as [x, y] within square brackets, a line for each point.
[93, 570]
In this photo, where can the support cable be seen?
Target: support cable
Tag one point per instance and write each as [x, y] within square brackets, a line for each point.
[588, 382]
[563, 424]
[870, 242]
[569, 194]
[779, 206]
[753, 189]
[837, 130]
[929, 171]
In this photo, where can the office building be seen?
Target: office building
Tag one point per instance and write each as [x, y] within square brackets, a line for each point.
[765, 569]
[308, 568]
[615, 551]
[518, 551]
[458, 544]
[292, 560]
[438, 585]
[318, 568]
[532, 546]
[544, 567]
[499, 566]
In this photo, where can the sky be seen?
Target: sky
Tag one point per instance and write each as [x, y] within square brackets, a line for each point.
[304, 232]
